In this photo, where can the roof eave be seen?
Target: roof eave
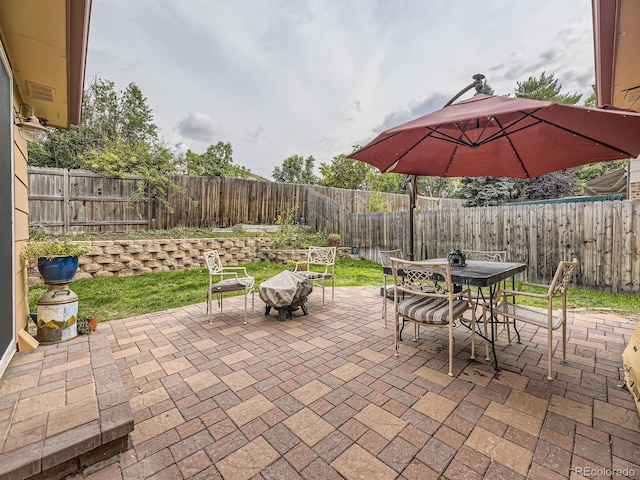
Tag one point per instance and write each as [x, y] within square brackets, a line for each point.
[606, 15]
[78, 14]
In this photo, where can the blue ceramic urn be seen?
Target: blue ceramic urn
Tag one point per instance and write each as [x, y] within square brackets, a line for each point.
[57, 270]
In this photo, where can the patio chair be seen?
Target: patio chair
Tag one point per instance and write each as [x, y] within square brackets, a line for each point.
[541, 318]
[319, 267]
[231, 279]
[385, 260]
[430, 300]
[479, 299]
[486, 255]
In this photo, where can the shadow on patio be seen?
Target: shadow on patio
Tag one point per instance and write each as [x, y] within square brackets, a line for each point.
[321, 397]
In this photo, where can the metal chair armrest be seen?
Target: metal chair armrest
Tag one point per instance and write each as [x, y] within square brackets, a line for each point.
[308, 264]
[536, 285]
[233, 271]
[466, 292]
[517, 293]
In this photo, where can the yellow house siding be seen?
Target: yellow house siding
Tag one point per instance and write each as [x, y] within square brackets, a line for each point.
[20, 167]
[21, 192]
[21, 229]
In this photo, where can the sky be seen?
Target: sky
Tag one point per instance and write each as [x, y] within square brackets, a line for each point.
[276, 78]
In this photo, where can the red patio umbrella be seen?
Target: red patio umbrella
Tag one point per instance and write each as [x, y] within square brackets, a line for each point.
[495, 136]
[504, 137]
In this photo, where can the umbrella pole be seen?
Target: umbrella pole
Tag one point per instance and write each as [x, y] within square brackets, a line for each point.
[412, 205]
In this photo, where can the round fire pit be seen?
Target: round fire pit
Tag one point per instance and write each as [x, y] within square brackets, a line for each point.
[285, 292]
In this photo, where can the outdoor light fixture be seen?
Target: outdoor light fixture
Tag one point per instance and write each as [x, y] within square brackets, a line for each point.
[28, 124]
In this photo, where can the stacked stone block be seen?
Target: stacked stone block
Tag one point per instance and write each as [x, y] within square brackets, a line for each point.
[121, 258]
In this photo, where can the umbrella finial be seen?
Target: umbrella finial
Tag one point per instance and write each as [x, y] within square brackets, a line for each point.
[478, 77]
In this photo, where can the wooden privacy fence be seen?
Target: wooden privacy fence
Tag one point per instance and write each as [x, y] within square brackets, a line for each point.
[64, 201]
[67, 201]
[224, 202]
[603, 236]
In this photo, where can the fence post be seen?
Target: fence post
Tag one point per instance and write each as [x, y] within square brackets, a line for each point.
[149, 221]
[65, 201]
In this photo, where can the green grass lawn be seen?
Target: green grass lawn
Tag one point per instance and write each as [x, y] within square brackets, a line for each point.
[121, 297]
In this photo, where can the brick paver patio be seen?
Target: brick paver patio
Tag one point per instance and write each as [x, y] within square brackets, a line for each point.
[322, 397]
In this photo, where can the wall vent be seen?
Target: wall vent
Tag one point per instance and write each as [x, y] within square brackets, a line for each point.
[40, 92]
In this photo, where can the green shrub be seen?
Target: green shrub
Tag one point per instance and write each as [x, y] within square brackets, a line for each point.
[82, 324]
[37, 233]
[54, 248]
[377, 203]
[292, 235]
[238, 229]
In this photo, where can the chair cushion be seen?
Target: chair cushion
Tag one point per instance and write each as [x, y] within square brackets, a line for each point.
[430, 310]
[232, 285]
[313, 275]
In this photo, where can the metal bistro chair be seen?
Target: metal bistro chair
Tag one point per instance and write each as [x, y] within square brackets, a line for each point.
[478, 298]
[430, 300]
[231, 279]
[486, 255]
[385, 260]
[319, 267]
[542, 319]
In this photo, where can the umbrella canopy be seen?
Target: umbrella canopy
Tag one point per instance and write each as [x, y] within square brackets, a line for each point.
[504, 137]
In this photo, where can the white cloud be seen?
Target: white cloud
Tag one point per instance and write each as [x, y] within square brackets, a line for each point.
[200, 127]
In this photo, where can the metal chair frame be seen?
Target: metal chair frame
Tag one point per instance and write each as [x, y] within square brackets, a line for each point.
[231, 279]
[385, 261]
[319, 267]
[429, 294]
[557, 289]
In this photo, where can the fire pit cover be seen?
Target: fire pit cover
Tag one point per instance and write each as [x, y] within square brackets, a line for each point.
[285, 289]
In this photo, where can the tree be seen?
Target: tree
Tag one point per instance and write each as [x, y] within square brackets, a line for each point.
[591, 101]
[486, 191]
[296, 169]
[545, 88]
[351, 174]
[108, 118]
[217, 161]
[437, 187]
[355, 175]
[343, 172]
[135, 119]
[594, 170]
[550, 185]
[384, 182]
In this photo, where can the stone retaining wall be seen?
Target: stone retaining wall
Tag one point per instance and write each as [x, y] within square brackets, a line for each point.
[120, 258]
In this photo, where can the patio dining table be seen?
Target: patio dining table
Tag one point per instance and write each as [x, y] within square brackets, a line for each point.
[477, 273]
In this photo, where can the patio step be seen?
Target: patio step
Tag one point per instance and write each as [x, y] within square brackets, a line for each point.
[66, 409]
